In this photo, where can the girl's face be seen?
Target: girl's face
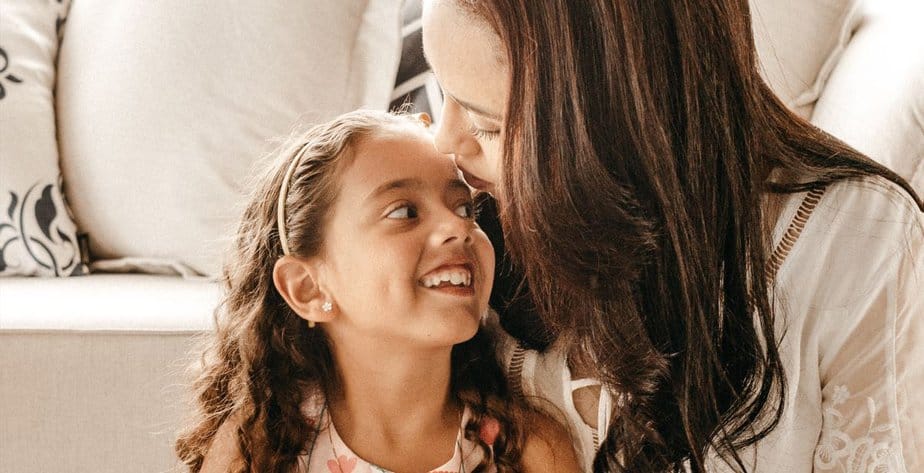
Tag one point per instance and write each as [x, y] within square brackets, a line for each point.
[404, 260]
[466, 57]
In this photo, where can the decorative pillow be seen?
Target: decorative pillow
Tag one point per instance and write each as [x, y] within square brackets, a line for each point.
[164, 107]
[37, 234]
[799, 42]
[416, 89]
[874, 99]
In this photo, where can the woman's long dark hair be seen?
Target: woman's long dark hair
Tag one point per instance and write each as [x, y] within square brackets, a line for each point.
[640, 145]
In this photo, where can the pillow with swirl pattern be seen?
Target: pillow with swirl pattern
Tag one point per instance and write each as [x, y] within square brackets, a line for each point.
[38, 237]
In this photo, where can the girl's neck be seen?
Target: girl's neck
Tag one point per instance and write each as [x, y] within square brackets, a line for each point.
[391, 403]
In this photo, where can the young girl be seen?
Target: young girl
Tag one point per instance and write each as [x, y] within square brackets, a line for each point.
[350, 340]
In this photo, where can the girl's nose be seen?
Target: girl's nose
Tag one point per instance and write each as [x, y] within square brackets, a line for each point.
[454, 228]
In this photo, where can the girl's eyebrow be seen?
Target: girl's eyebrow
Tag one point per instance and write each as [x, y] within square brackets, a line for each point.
[410, 182]
[459, 184]
[413, 183]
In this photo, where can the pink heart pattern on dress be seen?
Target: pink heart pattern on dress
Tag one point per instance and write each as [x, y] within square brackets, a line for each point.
[341, 464]
[490, 427]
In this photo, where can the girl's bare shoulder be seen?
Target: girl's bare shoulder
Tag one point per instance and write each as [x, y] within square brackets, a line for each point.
[548, 446]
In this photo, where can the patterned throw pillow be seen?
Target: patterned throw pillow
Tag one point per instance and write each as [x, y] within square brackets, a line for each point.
[416, 89]
[38, 237]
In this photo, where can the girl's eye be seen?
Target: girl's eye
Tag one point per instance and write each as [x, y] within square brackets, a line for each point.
[483, 134]
[466, 210]
[403, 212]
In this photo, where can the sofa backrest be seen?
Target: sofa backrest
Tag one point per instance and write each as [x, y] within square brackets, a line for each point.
[163, 108]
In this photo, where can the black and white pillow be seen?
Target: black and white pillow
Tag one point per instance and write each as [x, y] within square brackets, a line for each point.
[416, 89]
[38, 236]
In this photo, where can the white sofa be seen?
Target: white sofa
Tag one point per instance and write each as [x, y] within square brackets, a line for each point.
[95, 385]
[92, 367]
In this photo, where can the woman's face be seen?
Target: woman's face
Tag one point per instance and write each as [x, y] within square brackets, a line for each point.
[468, 61]
[405, 261]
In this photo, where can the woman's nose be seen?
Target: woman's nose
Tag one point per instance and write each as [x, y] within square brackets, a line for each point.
[452, 134]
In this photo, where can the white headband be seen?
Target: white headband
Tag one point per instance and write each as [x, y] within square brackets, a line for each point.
[281, 205]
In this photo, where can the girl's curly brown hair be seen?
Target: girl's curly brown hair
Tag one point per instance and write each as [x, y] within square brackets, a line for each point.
[262, 360]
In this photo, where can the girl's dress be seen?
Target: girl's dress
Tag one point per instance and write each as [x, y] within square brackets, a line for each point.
[849, 294]
[330, 454]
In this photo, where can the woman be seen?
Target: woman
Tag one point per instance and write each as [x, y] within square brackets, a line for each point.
[745, 287]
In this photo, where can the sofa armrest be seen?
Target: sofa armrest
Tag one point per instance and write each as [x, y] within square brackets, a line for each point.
[107, 303]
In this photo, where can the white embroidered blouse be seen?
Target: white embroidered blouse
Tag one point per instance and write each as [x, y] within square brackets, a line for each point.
[849, 285]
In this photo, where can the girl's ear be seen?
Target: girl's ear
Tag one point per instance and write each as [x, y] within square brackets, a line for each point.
[296, 279]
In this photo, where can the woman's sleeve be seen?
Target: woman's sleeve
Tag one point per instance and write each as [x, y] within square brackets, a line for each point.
[872, 370]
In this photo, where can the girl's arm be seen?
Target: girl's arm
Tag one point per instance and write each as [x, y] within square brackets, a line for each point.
[548, 448]
[223, 455]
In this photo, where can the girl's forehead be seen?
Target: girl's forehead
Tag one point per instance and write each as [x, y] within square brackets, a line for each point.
[398, 154]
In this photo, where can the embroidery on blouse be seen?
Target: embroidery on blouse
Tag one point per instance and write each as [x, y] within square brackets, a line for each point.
[838, 450]
[515, 371]
[793, 231]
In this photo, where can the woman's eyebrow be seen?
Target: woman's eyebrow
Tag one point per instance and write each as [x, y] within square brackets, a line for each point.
[473, 108]
[467, 105]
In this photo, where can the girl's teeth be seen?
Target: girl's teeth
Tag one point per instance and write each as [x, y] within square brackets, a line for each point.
[455, 278]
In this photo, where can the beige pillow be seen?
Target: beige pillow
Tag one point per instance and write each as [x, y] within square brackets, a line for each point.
[874, 99]
[37, 235]
[164, 106]
[799, 42]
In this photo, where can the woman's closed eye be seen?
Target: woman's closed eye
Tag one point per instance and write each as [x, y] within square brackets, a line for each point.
[484, 134]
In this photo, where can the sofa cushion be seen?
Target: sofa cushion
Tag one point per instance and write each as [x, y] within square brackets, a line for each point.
[874, 99]
[799, 43]
[126, 303]
[37, 234]
[165, 106]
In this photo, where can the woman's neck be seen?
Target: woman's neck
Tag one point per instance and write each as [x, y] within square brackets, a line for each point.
[390, 403]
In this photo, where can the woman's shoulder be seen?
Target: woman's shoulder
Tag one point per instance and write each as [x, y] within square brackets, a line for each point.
[837, 243]
[873, 211]
[873, 201]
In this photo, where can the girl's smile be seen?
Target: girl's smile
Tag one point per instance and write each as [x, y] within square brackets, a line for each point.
[455, 278]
